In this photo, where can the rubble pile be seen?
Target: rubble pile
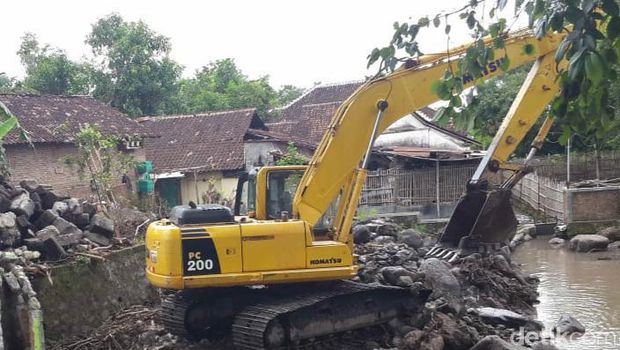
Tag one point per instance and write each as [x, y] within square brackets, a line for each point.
[476, 303]
[39, 226]
[37, 223]
[474, 298]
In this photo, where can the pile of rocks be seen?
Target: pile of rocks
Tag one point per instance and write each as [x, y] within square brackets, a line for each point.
[36, 222]
[477, 300]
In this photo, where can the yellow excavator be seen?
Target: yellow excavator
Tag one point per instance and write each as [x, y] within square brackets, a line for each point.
[279, 276]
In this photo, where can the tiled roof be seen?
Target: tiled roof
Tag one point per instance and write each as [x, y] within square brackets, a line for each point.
[56, 119]
[208, 141]
[307, 118]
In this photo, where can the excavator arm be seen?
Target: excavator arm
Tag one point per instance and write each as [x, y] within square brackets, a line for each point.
[335, 167]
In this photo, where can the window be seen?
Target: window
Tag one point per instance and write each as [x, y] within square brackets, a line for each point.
[281, 187]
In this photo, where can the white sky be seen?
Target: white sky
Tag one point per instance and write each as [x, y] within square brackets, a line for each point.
[294, 42]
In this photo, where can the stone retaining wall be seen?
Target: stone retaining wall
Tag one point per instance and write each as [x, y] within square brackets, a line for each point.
[87, 291]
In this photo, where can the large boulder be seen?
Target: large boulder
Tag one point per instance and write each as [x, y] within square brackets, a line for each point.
[493, 342]
[361, 234]
[47, 232]
[65, 227]
[102, 225]
[568, 325]
[399, 276]
[22, 204]
[587, 243]
[45, 219]
[60, 207]
[97, 238]
[411, 238]
[611, 233]
[439, 275]
[388, 229]
[557, 241]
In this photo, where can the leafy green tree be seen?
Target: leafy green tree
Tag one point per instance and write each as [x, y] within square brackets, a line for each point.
[133, 70]
[288, 93]
[221, 85]
[6, 84]
[49, 70]
[98, 160]
[292, 156]
[584, 106]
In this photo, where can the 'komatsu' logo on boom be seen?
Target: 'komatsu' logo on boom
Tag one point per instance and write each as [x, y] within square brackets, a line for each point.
[486, 70]
[325, 261]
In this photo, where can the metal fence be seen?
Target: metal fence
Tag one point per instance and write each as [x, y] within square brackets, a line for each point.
[408, 190]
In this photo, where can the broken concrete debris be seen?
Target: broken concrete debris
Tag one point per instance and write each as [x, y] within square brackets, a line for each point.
[52, 224]
[477, 302]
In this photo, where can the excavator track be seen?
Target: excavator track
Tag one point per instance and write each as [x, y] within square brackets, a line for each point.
[173, 310]
[312, 317]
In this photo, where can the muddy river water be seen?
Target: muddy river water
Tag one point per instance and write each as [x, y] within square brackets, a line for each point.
[584, 285]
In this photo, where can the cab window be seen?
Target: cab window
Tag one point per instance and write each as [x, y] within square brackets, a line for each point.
[281, 187]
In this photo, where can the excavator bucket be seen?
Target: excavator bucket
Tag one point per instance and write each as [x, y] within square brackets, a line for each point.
[482, 221]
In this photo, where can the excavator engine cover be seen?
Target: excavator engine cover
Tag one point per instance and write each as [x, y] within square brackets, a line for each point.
[481, 217]
[201, 214]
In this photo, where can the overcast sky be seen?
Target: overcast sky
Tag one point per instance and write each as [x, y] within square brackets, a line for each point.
[294, 42]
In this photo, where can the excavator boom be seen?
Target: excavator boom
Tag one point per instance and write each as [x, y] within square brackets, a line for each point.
[337, 158]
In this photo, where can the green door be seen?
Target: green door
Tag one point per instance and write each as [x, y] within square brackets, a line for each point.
[169, 191]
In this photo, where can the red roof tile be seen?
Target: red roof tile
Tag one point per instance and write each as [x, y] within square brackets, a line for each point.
[56, 119]
[208, 141]
[307, 118]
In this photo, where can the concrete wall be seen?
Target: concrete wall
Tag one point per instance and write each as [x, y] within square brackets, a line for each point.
[46, 164]
[592, 205]
[258, 153]
[84, 293]
[226, 186]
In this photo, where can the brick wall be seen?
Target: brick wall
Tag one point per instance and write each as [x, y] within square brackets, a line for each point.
[46, 165]
[592, 204]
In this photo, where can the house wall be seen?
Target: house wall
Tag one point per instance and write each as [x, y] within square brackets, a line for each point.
[46, 165]
[207, 181]
[259, 153]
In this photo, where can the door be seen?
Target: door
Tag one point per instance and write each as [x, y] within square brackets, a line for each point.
[169, 191]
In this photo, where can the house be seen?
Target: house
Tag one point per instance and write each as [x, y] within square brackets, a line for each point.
[305, 120]
[417, 165]
[198, 157]
[51, 122]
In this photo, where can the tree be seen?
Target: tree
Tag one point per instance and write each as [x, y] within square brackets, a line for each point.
[288, 93]
[221, 85]
[592, 50]
[97, 157]
[49, 70]
[292, 156]
[6, 84]
[132, 69]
